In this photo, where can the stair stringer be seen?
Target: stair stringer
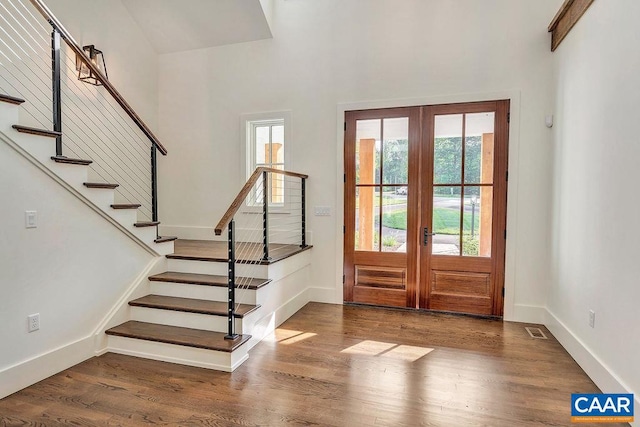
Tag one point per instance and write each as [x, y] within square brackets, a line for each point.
[38, 151]
[120, 312]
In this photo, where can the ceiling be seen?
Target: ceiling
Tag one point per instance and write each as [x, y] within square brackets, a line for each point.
[175, 26]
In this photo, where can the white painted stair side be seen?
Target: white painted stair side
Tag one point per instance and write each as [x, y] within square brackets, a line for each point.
[210, 359]
[217, 267]
[42, 148]
[212, 293]
[183, 319]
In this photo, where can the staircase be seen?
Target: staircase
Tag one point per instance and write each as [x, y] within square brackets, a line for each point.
[183, 316]
[38, 145]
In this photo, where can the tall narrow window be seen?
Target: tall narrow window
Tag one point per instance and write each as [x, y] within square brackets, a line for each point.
[266, 146]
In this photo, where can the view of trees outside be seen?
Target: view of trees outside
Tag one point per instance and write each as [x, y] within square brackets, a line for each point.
[446, 212]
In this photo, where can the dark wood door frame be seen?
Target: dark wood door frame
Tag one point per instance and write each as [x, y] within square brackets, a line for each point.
[408, 259]
[499, 216]
[417, 257]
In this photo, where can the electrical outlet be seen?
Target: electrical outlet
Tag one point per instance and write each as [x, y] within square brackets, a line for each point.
[31, 219]
[34, 322]
[592, 318]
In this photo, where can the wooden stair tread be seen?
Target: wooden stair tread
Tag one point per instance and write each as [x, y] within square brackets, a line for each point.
[146, 223]
[179, 336]
[162, 239]
[190, 305]
[37, 131]
[100, 185]
[207, 280]
[125, 206]
[217, 251]
[71, 161]
[11, 99]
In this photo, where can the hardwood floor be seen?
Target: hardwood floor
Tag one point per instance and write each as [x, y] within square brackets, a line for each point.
[329, 365]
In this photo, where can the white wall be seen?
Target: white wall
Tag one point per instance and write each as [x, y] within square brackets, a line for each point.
[75, 266]
[71, 269]
[329, 52]
[130, 58]
[595, 234]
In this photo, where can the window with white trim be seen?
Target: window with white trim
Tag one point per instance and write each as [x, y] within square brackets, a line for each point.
[266, 145]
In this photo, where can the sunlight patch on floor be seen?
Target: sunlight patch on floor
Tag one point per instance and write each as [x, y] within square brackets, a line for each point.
[406, 353]
[288, 336]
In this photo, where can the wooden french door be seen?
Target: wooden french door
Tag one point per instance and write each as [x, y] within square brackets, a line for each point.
[382, 153]
[425, 207]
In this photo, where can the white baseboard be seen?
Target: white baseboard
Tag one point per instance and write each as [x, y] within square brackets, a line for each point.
[527, 314]
[29, 372]
[597, 370]
[326, 295]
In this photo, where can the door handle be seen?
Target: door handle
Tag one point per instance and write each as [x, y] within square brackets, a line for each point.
[425, 236]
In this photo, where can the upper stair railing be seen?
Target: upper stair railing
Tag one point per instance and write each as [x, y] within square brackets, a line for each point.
[266, 222]
[95, 121]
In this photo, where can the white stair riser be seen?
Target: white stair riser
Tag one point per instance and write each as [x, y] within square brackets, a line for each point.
[164, 248]
[218, 360]
[211, 293]
[8, 116]
[41, 148]
[102, 198]
[74, 175]
[219, 268]
[125, 217]
[183, 319]
[146, 234]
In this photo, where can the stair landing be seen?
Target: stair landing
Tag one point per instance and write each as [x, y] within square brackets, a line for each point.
[210, 250]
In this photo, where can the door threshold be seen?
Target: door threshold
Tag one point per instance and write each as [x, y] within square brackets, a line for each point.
[423, 310]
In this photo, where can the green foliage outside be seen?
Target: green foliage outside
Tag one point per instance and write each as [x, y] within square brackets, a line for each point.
[445, 221]
[448, 164]
[470, 247]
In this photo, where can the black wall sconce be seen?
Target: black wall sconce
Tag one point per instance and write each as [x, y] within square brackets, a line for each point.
[85, 73]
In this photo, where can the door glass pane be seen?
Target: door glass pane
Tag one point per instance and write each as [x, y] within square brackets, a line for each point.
[395, 151]
[447, 156]
[478, 158]
[446, 221]
[368, 148]
[367, 237]
[477, 220]
[394, 220]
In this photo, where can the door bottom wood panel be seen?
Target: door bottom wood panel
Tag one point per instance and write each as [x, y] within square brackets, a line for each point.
[461, 291]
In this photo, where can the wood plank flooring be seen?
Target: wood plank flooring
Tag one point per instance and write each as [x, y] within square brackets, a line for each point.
[329, 365]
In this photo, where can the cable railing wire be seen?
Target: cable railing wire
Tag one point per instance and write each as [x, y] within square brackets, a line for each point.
[264, 226]
[95, 126]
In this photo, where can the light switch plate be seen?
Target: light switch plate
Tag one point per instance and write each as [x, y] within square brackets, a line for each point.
[31, 219]
[322, 210]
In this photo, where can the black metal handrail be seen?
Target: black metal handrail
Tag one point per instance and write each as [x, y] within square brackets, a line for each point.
[263, 230]
[60, 33]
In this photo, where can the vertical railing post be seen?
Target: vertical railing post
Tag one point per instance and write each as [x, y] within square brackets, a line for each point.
[56, 88]
[304, 209]
[154, 183]
[265, 216]
[231, 335]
